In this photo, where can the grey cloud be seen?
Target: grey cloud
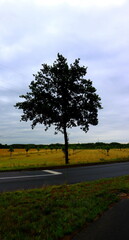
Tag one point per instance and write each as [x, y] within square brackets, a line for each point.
[33, 34]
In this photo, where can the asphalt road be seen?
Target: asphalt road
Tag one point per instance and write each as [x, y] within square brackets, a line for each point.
[17, 180]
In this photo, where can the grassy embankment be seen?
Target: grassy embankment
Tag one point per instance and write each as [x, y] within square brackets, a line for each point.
[47, 157]
[53, 212]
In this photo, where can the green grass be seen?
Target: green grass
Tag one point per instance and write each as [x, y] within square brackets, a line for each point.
[55, 211]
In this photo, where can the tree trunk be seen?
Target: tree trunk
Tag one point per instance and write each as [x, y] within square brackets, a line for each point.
[66, 146]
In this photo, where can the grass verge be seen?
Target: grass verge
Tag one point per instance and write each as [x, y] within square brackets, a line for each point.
[55, 211]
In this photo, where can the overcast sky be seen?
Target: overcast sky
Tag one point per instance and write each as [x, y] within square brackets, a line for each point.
[32, 32]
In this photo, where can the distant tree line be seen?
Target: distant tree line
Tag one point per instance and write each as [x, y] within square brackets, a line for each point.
[97, 145]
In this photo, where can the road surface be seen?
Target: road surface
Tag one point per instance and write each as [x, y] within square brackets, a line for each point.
[17, 180]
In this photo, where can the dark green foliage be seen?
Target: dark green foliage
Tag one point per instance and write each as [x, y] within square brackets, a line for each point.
[97, 145]
[61, 96]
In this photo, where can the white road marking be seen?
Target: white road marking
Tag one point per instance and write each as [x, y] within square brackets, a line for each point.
[33, 176]
[52, 172]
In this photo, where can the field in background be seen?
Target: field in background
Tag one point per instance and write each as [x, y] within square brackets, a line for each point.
[46, 157]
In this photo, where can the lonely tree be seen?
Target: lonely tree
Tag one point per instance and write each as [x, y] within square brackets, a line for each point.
[61, 96]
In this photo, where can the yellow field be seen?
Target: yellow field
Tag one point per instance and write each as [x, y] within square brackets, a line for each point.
[44, 158]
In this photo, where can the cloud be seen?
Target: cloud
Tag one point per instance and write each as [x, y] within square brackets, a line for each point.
[34, 31]
[83, 3]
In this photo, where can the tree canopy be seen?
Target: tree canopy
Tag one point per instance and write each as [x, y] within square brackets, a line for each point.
[61, 96]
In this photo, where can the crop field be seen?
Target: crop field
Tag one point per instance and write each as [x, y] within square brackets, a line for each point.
[46, 157]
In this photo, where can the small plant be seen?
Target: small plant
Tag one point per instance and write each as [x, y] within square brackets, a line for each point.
[46, 148]
[51, 148]
[11, 150]
[74, 148]
[107, 149]
[27, 148]
[102, 160]
[38, 149]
